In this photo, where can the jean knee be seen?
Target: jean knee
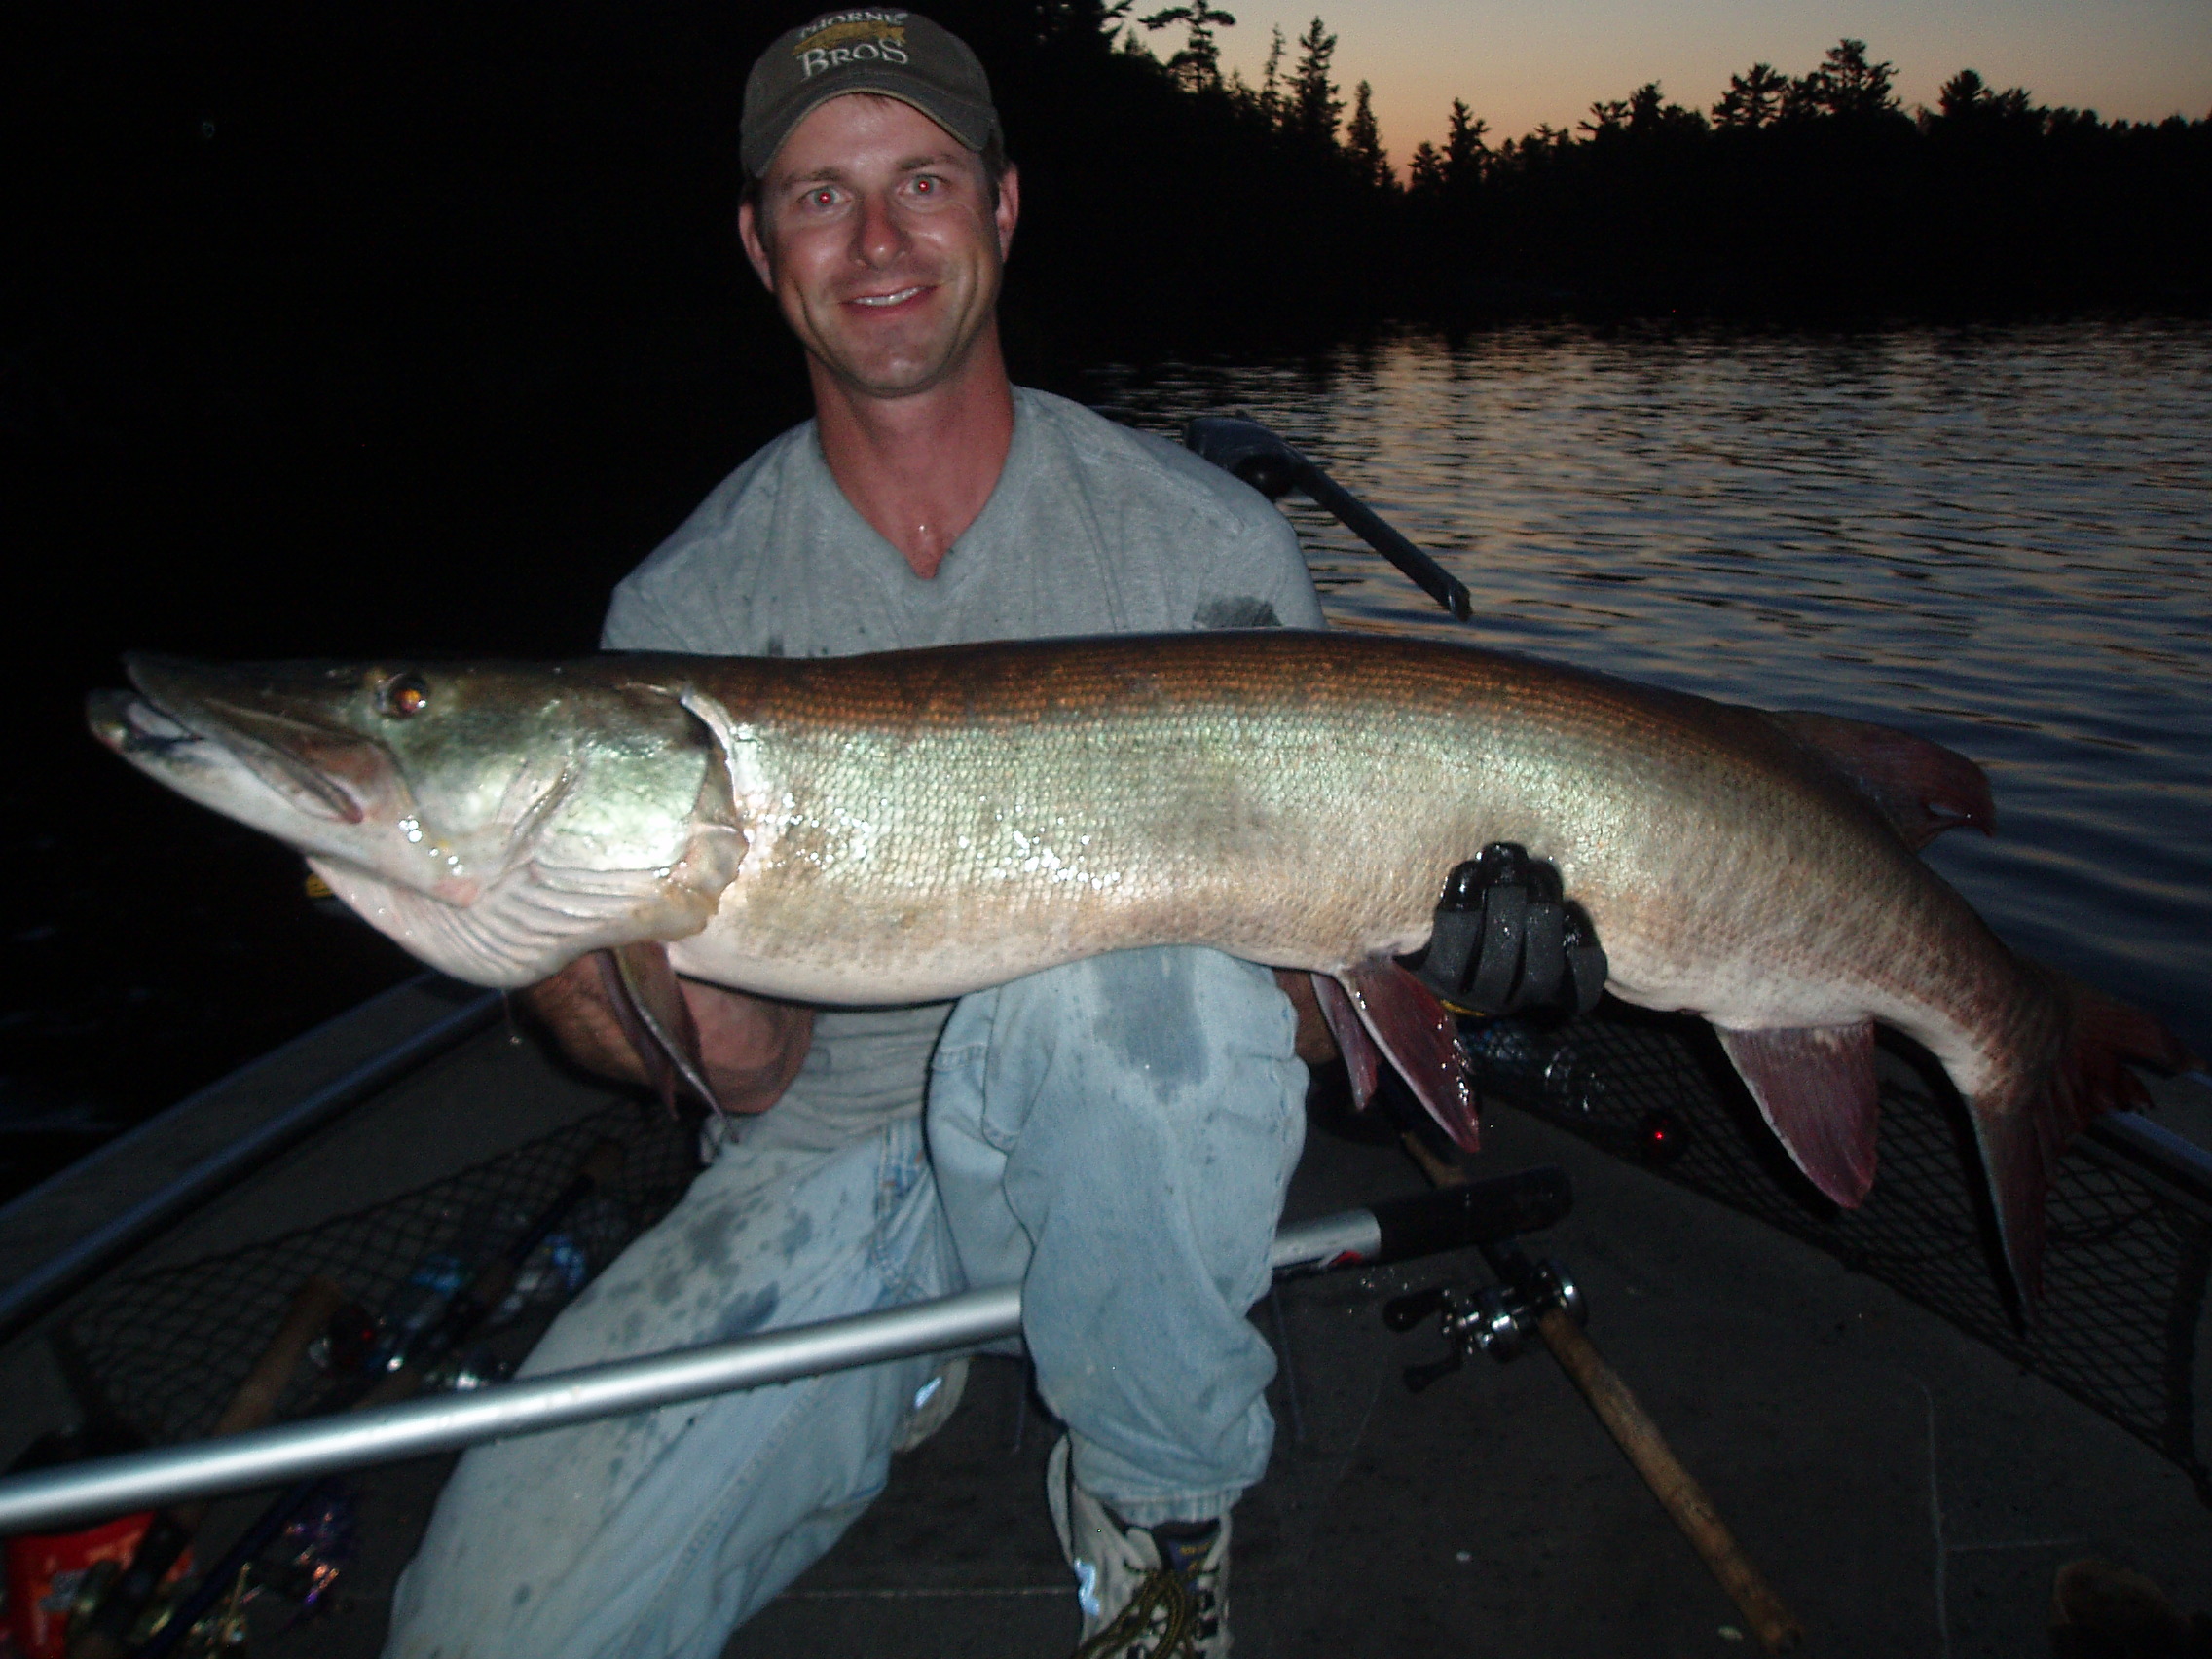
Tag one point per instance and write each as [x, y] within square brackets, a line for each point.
[1171, 1012]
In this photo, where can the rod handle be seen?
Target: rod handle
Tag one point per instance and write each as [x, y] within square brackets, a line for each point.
[1460, 1213]
[310, 1314]
[1676, 1487]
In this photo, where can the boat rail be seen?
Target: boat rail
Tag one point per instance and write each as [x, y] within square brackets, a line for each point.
[68, 1271]
[2180, 1170]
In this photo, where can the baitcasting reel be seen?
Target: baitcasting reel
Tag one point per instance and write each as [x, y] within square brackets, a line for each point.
[1496, 1318]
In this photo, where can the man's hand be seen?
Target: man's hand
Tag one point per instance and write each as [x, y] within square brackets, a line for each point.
[1508, 941]
[752, 1047]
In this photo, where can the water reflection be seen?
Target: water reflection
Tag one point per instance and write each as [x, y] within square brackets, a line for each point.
[2000, 539]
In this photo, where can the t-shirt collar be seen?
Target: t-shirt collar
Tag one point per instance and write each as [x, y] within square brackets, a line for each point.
[1004, 503]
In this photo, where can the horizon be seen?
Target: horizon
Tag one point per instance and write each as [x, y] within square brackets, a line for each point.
[2131, 59]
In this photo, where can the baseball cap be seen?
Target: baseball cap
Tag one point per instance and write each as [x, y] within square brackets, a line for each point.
[900, 54]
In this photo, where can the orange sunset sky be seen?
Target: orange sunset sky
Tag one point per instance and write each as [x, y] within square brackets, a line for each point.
[1518, 64]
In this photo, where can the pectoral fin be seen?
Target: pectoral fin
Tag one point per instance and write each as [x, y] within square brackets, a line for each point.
[1361, 1059]
[649, 1004]
[1816, 1089]
[1420, 1038]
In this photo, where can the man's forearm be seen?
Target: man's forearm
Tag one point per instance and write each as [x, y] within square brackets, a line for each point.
[752, 1048]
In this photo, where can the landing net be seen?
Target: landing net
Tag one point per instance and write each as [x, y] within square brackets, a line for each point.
[2124, 1273]
[167, 1350]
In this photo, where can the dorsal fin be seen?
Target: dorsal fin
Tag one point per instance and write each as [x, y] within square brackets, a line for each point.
[1922, 788]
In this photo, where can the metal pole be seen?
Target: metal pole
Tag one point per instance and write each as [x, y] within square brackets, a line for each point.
[273, 1456]
[1260, 458]
[441, 1422]
[59, 1275]
[1356, 516]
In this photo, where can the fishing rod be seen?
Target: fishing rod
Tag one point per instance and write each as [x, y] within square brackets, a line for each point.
[399, 1367]
[1539, 1299]
[1261, 458]
[1391, 1231]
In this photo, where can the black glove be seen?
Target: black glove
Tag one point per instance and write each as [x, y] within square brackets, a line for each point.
[1508, 941]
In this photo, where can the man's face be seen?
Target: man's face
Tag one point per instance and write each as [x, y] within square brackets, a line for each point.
[876, 231]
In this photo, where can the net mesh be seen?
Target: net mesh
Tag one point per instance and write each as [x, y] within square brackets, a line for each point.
[2123, 1274]
[166, 1350]
[2125, 1270]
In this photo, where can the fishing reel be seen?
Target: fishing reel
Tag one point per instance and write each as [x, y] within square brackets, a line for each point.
[1496, 1319]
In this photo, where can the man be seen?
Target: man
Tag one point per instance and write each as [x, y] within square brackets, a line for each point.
[1116, 1134]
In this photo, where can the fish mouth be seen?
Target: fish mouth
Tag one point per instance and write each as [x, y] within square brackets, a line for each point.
[191, 715]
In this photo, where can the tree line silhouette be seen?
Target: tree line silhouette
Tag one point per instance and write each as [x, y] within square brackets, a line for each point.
[1821, 194]
[1817, 195]
[374, 275]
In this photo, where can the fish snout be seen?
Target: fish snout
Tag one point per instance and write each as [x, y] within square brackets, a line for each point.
[108, 714]
[133, 728]
[284, 723]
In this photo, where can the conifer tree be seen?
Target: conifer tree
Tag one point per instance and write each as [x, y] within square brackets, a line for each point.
[1963, 93]
[1846, 85]
[1464, 151]
[1966, 97]
[1314, 106]
[1363, 140]
[1754, 99]
[1197, 66]
[1271, 80]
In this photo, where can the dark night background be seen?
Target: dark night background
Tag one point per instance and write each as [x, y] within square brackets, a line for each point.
[351, 328]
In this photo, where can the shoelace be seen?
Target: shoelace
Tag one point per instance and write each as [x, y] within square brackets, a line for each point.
[1161, 1592]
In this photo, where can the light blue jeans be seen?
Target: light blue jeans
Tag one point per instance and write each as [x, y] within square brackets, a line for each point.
[1116, 1135]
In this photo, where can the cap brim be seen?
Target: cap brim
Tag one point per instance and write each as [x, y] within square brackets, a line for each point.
[971, 125]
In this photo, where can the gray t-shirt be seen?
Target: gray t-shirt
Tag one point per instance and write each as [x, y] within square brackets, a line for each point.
[1093, 528]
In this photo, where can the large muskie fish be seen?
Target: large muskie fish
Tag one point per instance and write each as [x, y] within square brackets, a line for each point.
[919, 825]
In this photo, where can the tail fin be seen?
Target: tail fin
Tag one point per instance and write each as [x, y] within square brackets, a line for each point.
[2024, 1120]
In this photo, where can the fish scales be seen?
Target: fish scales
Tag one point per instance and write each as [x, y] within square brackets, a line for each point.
[919, 825]
[1288, 797]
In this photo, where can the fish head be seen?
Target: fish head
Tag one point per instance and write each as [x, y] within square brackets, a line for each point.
[498, 820]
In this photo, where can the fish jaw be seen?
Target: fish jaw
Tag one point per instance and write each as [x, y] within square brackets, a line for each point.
[238, 779]
[506, 824]
[272, 747]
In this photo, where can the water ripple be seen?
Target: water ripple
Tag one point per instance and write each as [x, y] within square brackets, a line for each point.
[2000, 539]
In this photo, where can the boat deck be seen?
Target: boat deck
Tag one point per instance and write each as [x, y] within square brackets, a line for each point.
[1904, 1488]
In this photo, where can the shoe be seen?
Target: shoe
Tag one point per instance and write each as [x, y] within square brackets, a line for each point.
[935, 1402]
[1147, 1593]
[2103, 1611]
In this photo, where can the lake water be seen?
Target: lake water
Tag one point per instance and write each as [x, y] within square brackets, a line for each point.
[1996, 539]
[2000, 539]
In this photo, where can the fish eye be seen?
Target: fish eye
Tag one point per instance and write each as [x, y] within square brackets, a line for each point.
[403, 695]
